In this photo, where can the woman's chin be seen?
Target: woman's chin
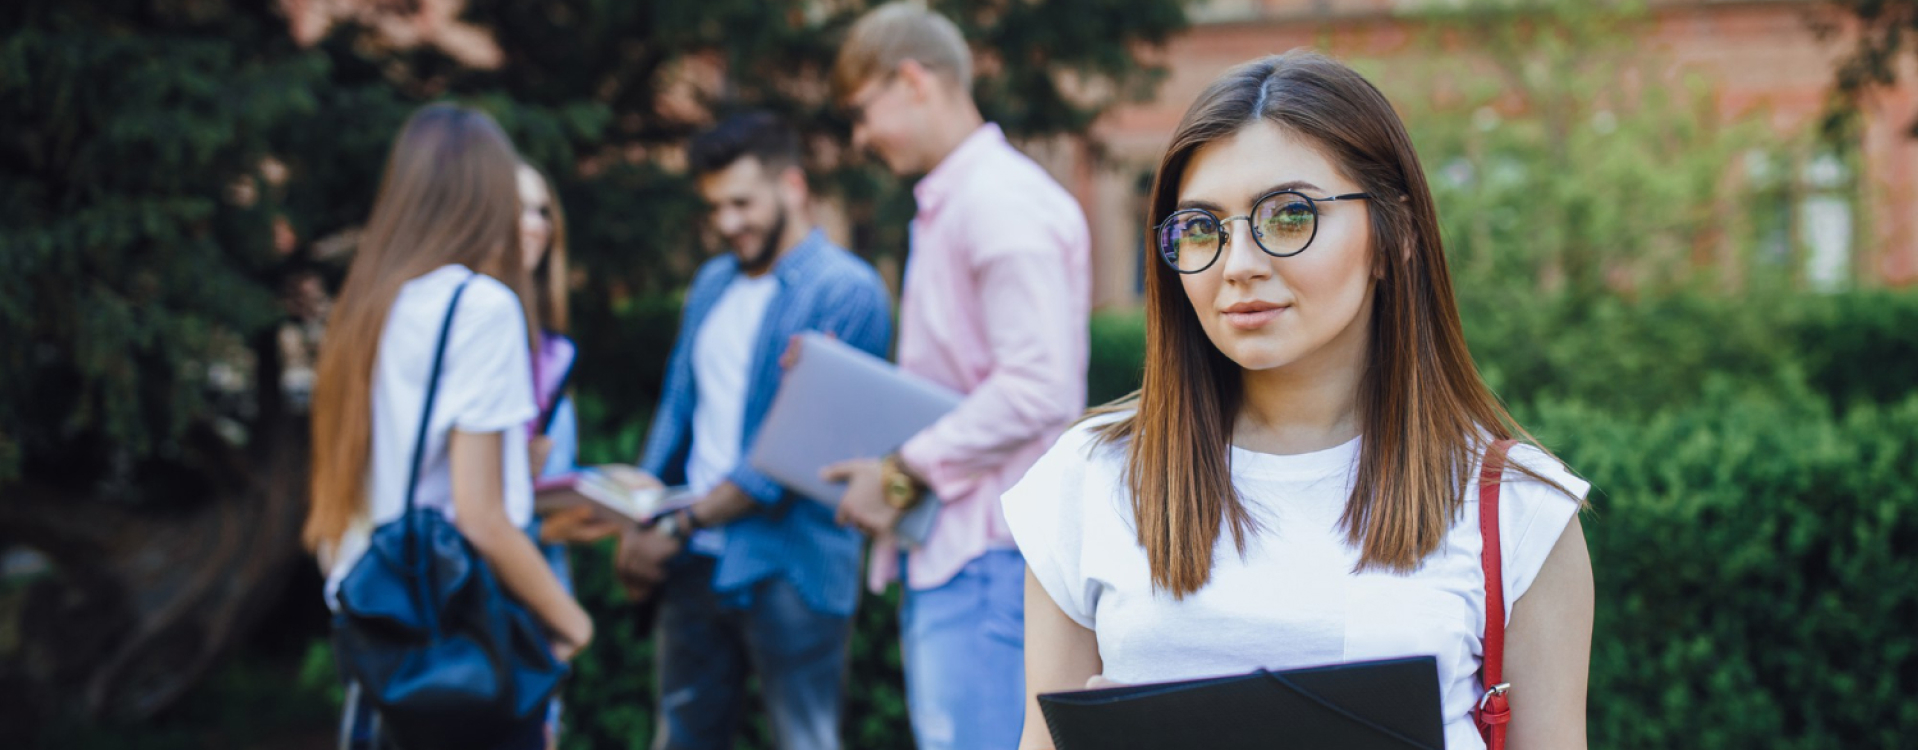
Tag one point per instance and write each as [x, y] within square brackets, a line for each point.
[1262, 357]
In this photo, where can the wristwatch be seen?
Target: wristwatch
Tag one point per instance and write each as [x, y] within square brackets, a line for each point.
[679, 524]
[902, 491]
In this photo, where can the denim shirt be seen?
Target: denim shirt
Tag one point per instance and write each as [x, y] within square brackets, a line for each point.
[822, 288]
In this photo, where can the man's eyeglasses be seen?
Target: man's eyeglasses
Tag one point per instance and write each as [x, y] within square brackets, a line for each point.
[1283, 223]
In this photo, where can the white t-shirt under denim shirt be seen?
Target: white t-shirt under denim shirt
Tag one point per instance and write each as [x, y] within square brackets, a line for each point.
[1292, 600]
[486, 385]
[723, 352]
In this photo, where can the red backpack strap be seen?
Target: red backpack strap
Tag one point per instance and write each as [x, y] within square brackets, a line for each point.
[1492, 714]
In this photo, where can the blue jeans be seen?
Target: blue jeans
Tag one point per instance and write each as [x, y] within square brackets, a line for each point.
[964, 645]
[556, 555]
[706, 643]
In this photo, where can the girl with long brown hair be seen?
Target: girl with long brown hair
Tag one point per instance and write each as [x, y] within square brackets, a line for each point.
[1293, 484]
[555, 443]
[445, 218]
[543, 255]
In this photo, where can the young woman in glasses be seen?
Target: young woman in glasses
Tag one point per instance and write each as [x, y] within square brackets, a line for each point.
[1295, 483]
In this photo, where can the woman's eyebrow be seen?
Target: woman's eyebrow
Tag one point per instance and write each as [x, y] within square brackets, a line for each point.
[1299, 185]
[1207, 205]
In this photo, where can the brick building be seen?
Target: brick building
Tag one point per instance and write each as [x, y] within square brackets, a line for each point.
[1761, 57]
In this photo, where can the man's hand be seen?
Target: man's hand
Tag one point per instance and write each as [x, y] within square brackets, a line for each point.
[578, 525]
[864, 506]
[641, 562]
[722, 505]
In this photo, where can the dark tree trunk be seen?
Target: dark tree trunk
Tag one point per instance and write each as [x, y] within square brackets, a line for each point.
[144, 597]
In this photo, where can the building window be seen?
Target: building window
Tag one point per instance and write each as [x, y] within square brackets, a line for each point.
[1825, 216]
[1803, 217]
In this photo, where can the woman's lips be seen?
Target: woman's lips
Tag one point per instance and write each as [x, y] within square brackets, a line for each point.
[1248, 316]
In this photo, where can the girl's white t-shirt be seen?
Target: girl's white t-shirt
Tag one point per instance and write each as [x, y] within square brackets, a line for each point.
[1293, 599]
[486, 385]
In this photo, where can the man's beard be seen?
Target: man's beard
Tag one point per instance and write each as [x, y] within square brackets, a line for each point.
[769, 247]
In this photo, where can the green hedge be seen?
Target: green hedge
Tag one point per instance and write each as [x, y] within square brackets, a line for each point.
[1117, 355]
[1860, 346]
[1754, 570]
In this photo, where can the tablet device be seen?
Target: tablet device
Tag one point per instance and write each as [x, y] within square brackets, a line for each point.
[839, 403]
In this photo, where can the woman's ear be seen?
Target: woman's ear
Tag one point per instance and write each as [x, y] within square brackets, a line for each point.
[1406, 249]
[1383, 259]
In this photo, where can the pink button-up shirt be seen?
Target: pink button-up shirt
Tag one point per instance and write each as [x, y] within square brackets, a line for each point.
[994, 305]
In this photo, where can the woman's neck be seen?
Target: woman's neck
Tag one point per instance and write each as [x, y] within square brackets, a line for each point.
[1303, 407]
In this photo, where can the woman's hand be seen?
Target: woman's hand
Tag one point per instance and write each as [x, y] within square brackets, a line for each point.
[578, 525]
[538, 449]
[481, 516]
[566, 646]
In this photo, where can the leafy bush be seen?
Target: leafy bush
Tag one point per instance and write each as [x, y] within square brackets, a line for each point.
[1754, 566]
[1858, 347]
[1114, 365]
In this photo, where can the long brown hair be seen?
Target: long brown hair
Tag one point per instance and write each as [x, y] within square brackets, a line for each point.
[549, 278]
[1425, 414]
[448, 196]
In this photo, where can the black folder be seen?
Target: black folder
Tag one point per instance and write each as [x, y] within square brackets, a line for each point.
[1390, 705]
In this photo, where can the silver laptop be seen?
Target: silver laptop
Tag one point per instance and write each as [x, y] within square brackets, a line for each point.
[840, 403]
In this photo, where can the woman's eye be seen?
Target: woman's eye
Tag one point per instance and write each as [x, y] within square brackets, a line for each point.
[1289, 219]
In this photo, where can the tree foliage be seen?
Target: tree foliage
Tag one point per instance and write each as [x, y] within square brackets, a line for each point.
[1883, 31]
[171, 169]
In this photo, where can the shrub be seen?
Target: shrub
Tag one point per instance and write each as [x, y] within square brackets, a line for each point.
[1858, 347]
[1114, 366]
[1754, 564]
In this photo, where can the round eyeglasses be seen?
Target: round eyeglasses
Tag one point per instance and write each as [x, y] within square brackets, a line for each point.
[1283, 223]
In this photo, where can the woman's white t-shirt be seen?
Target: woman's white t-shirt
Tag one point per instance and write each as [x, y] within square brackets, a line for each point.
[1293, 599]
[486, 385]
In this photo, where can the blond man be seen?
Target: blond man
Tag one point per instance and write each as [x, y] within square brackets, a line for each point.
[994, 304]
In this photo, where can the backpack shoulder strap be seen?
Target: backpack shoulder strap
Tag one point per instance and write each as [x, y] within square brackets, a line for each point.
[433, 390]
[1492, 713]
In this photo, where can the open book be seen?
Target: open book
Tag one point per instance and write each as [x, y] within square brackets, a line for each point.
[611, 493]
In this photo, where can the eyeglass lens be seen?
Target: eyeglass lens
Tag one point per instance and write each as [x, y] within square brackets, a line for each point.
[1282, 224]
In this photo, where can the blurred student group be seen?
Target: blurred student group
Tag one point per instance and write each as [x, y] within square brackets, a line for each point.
[467, 405]
[443, 387]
